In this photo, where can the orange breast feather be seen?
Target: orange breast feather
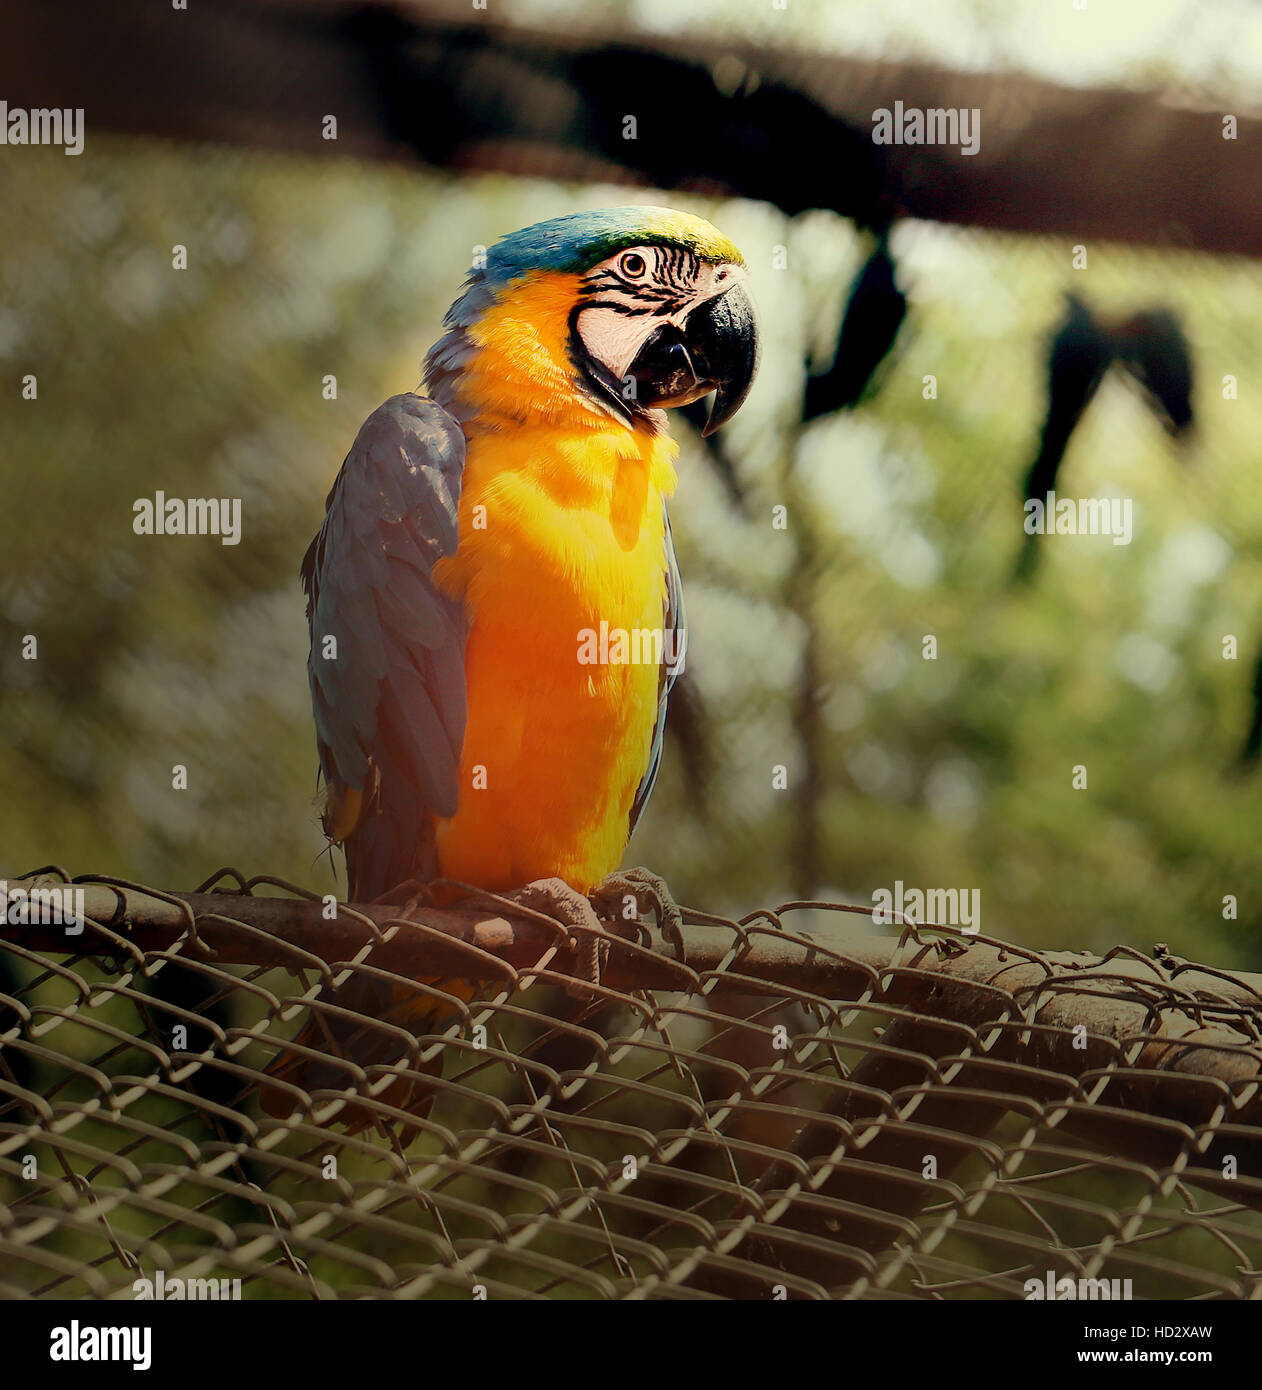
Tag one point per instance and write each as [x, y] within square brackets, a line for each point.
[561, 529]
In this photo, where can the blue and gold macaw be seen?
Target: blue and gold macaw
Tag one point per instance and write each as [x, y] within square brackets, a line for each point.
[474, 540]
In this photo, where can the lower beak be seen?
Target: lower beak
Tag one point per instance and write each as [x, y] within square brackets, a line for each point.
[715, 350]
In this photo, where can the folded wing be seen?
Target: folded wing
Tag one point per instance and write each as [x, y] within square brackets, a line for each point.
[387, 647]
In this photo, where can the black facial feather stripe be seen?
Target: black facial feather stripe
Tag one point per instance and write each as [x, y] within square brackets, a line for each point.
[680, 269]
[631, 311]
[636, 289]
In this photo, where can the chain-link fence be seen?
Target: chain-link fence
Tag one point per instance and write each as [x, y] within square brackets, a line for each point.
[798, 1107]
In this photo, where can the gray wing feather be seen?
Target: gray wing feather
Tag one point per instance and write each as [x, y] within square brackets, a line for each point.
[390, 709]
[674, 618]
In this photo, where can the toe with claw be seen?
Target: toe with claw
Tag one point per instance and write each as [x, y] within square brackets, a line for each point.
[556, 899]
[649, 893]
[409, 896]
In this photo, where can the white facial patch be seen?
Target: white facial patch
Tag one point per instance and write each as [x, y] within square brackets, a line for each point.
[613, 339]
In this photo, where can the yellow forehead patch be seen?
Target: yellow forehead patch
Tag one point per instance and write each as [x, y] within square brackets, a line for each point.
[684, 229]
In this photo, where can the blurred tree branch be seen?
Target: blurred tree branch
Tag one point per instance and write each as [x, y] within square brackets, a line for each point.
[409, 84]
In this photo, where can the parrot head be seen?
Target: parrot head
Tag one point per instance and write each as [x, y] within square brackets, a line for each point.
[641, 308]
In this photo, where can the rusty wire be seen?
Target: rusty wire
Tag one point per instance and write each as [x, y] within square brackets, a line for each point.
[798, 1108]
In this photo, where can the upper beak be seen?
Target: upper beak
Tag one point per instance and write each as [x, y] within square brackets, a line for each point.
[723, 333]
[716, 350]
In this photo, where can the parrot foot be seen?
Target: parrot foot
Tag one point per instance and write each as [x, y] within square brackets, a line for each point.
[556, 899]
[650, 892]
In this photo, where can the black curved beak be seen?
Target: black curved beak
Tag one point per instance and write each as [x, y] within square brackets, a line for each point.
[716, 350]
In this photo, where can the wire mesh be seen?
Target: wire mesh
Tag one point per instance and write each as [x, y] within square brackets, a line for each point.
[798, 1107]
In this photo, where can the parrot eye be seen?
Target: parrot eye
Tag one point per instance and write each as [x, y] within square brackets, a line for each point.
[632, 265]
